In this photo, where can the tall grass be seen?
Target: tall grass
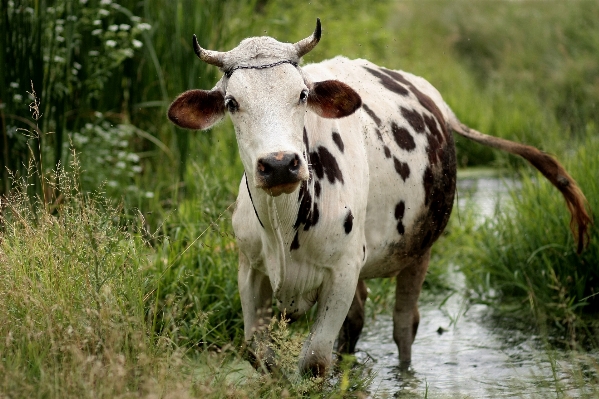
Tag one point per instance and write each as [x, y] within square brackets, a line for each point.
[525, 260]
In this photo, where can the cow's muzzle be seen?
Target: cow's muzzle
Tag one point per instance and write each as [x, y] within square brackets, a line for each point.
[279, 172]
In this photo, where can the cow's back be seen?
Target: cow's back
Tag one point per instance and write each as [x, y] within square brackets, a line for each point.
[411, 158]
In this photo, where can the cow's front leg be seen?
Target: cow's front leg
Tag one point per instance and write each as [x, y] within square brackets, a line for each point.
[334, 299]
[405, 315]
[354, 322]
[256, 303]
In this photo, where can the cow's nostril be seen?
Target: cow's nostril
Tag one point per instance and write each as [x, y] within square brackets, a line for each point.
[295, 163]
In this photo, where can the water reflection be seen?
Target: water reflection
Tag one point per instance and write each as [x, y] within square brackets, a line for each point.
[461, 351]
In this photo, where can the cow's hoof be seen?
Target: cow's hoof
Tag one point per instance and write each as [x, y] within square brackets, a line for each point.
[315, 366]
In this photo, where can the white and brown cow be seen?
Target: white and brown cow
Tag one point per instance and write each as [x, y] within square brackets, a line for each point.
[350, 174]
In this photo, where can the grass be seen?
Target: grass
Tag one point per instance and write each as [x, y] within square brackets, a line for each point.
[130, 298]
[526, 257]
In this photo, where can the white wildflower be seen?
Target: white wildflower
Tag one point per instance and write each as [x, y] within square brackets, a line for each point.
[60, 22]
[132, 157]
[144, 26]
[96, 32]
[59, 39]
[93, 53]
[14, 85]
[83, 1]
[104, 12]
[136, 169]
[59, 29]
[136, 43]
[124, 27]
[149, 194]
[113, 28]
[74, 71]
[97, 22]
[135, 19]
[105, 2]
[50, 10]
[110, 43]
[127, 52]
[58, 59]
[112, 183]
[17, 98]
[29, 10]
[121, 165]
[72, 18]
[98, 114]
[77, 65]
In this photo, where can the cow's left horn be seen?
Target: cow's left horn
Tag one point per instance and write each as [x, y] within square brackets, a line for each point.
[208, 56]
[306, 45]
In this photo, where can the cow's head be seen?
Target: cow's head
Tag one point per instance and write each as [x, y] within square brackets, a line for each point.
[267, 96]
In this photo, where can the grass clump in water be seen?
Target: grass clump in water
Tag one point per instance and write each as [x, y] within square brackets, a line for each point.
[527, 261]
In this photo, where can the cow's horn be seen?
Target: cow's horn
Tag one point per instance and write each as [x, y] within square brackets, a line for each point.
[208, 56]
[306, 45]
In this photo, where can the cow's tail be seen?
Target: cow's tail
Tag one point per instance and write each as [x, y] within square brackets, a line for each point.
[549, 167]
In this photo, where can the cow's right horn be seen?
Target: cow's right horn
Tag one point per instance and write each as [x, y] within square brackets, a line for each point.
[208, 56]
[306, 45]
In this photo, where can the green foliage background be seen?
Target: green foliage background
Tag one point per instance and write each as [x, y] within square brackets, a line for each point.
[105, 71]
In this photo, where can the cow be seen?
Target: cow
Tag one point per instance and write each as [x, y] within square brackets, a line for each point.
[350, 174]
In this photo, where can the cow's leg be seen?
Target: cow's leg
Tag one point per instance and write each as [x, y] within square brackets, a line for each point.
[334, 300]
[405, 315]
[352, 326]
[256, 303]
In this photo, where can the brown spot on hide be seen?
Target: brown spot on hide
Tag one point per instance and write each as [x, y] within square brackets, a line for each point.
[371, 113]
[414, 119]
[317, 188]
[349, 222]
[387, 152]
[400, 209]
[402, 168]
[338, 141]
[402, 137]
[324, 163]
[295, 243]
[388, 82]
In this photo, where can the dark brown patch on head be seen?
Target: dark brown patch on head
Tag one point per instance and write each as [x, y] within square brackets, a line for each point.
[338, 141]
[371, 113]
[387, 152]
[402, 168]
[349, 222]
[306, 142]
[295, 243]
[402, 137]
[378, 134]
[333, 99]
[388, 82]
[327, 165]
[414, 119]
[313, 217]
[317, 188]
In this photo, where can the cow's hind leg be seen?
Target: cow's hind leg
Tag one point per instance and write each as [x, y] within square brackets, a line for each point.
[352, 326]
[405, 315]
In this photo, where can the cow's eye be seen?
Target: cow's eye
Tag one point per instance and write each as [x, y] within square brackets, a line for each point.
[231, 104]
[303, 96]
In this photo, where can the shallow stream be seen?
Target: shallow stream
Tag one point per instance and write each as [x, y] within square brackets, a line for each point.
[461, 351]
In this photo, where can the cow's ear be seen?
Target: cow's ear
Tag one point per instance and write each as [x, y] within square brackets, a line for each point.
[197, 109]
[333, 99]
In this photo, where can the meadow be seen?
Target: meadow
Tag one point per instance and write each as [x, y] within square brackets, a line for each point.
[118, 261]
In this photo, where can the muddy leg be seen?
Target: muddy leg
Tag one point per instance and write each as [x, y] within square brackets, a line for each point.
[405, 314]
[352, 326]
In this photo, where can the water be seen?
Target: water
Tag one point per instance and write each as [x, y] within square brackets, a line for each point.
[461, 351]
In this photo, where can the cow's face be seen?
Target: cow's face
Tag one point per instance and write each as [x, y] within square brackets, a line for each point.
[267, 104]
